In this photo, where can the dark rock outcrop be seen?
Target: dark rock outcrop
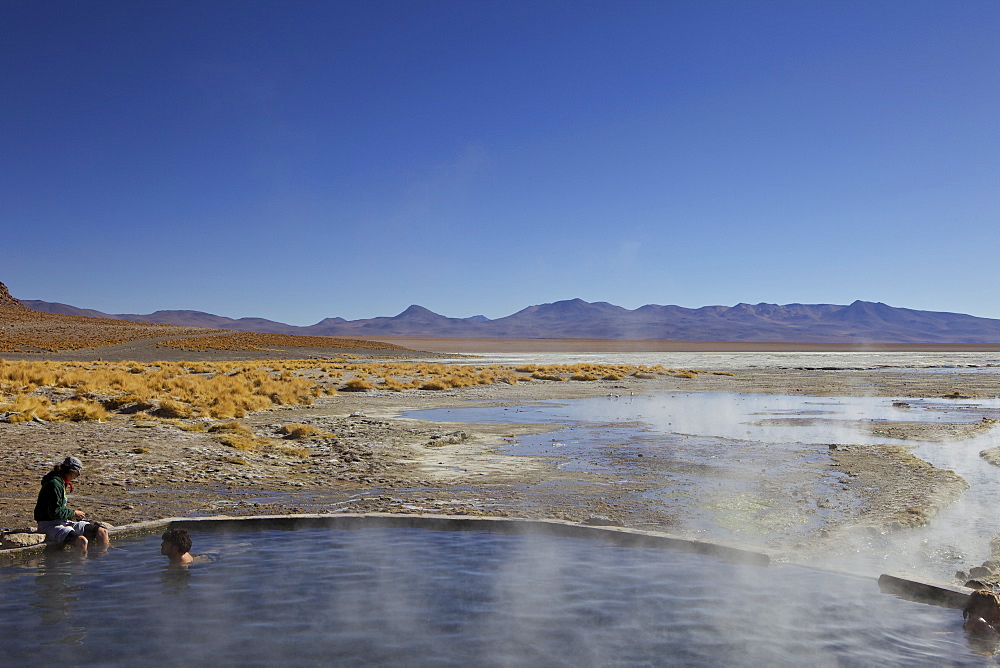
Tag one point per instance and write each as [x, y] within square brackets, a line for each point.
[8, 302]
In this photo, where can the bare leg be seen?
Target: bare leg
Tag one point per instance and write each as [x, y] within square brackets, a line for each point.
[80, 543]
[102, 539]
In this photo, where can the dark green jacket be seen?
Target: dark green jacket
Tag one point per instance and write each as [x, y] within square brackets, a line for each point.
[52, 499]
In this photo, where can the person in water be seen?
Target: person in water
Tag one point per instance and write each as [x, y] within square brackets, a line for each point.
[60, 523]
[982, 613]
[176, 546]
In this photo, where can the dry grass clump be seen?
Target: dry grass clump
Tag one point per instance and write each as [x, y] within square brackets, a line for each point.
[295, 430]
[170, 408]
[187, 426]
[240, 437]
[242, 442]
[391, 383]
[291, 450]
[24, 408]
[544, 375]
[236, 428]
[77, 410]
[132, 401]
[433, 385]
[358, 385]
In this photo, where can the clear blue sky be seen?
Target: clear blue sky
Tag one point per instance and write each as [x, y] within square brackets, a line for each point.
[297, 160]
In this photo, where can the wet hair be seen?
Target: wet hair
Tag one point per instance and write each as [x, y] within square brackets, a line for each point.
[982, 603]
[179, 537]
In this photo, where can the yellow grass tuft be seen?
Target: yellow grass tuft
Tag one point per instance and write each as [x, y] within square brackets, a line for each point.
[24, 408]
[299, 451]
[390, 383]
[170, 408]
[296, 430]
[358, 385]
[77, 410]
[237, 428]
[240, 442]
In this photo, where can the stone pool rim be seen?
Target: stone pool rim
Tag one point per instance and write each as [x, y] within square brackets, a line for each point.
[622, 536]
[903, 585]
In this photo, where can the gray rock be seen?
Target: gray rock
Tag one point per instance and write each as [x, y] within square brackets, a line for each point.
[11, 540]
[992, 455]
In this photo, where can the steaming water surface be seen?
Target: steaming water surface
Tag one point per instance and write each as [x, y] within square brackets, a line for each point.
[418, 597]
[719, 457]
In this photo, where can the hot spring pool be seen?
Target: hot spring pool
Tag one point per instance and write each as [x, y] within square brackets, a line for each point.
[421, 597]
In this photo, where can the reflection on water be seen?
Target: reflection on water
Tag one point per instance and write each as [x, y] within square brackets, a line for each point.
[58, 585]
[416, 597]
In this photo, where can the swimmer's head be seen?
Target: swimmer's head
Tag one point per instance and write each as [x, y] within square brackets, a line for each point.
[179, 538]
[983, 603]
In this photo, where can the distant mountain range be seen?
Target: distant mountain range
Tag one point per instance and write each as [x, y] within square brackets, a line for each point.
[860, 322]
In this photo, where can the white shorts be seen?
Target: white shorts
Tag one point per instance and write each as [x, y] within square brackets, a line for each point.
[59, 531]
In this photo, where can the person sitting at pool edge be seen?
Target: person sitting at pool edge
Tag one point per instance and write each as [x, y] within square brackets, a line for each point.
[176, 546]
[60, 523]
[982, 612]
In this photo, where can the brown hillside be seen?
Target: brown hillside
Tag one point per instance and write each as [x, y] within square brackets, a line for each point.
[24, 331]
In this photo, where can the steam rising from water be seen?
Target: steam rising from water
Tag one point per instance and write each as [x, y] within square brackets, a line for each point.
[720, 454]
[414, 597]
